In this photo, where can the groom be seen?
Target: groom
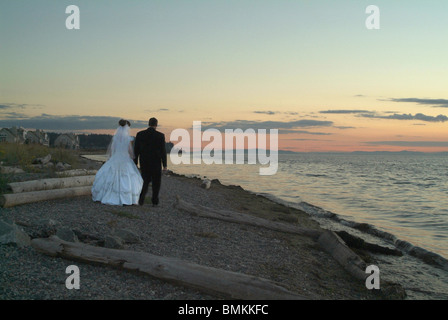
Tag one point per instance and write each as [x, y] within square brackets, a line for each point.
[150, 148]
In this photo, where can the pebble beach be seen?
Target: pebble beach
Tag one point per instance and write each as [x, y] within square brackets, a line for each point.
[294, 262]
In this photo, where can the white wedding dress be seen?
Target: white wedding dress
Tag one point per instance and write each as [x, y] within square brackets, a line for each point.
[118, 181]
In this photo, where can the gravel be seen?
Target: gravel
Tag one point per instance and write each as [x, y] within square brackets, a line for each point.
[294, 262]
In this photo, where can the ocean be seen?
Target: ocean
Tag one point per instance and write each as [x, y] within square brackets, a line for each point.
[402, 197]
[400, 200]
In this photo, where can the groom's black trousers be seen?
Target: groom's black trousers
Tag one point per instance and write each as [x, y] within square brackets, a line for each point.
[151, 174]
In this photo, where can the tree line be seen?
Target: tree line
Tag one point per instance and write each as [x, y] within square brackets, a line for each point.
[94, 141]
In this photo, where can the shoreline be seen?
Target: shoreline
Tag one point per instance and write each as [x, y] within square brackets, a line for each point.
[293, 261]
[415, 258]
[426, 256]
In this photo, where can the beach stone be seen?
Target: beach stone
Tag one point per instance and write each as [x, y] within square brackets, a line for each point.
[392, 291]
[48, 226]
[127, 235]
[43, 160]
[47, 222]
[85, 237]
[42, 228]
[60, 166]
[113, 242]
[11, 234]
[206, 184]
[67, 234]
[11, 170]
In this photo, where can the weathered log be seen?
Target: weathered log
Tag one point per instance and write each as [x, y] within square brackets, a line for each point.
[95, 157]
[358, 243]
[15, 199]
[229, 284]
[49, 184]
[76, 172]
[335, 246]
[237, 217]
[328, 240]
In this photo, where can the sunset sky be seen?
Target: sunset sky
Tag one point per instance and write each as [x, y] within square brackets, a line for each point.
[310, 69]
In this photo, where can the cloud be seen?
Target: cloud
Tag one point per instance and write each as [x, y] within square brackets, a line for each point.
[276, 112]
[436, 103]
[345, 111]
[13, 115]
[71, 122]
[266, 112]
[417, 116]
[309, 140]
[4, 106]
[344, 127]
[158, 110]
[408, 143]
[286, 131]
[247, 124]
[392, 115]
[12, 105]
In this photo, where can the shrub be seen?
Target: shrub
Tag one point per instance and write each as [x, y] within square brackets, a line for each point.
[22, 155]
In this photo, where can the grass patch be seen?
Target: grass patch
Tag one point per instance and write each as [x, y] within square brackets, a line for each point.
[22, 155]
[123, 214]
[65, 156]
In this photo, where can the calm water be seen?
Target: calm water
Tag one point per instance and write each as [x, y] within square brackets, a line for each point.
[403, 195]
[406, 196]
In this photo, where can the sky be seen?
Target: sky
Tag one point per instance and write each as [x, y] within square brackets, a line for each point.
[310, 69]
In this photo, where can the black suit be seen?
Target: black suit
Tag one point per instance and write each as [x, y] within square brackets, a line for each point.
[150, 148]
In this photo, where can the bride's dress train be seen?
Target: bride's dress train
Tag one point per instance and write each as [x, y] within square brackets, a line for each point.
[118, 181]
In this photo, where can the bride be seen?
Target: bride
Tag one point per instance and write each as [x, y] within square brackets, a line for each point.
[118, 181]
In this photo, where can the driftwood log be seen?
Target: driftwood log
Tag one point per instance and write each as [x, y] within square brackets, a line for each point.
[76, 172]
[211, 280]
[328, 240]
[15, 199]
[237, 217]
[358, 243]
[49, 184]
[335, 246]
